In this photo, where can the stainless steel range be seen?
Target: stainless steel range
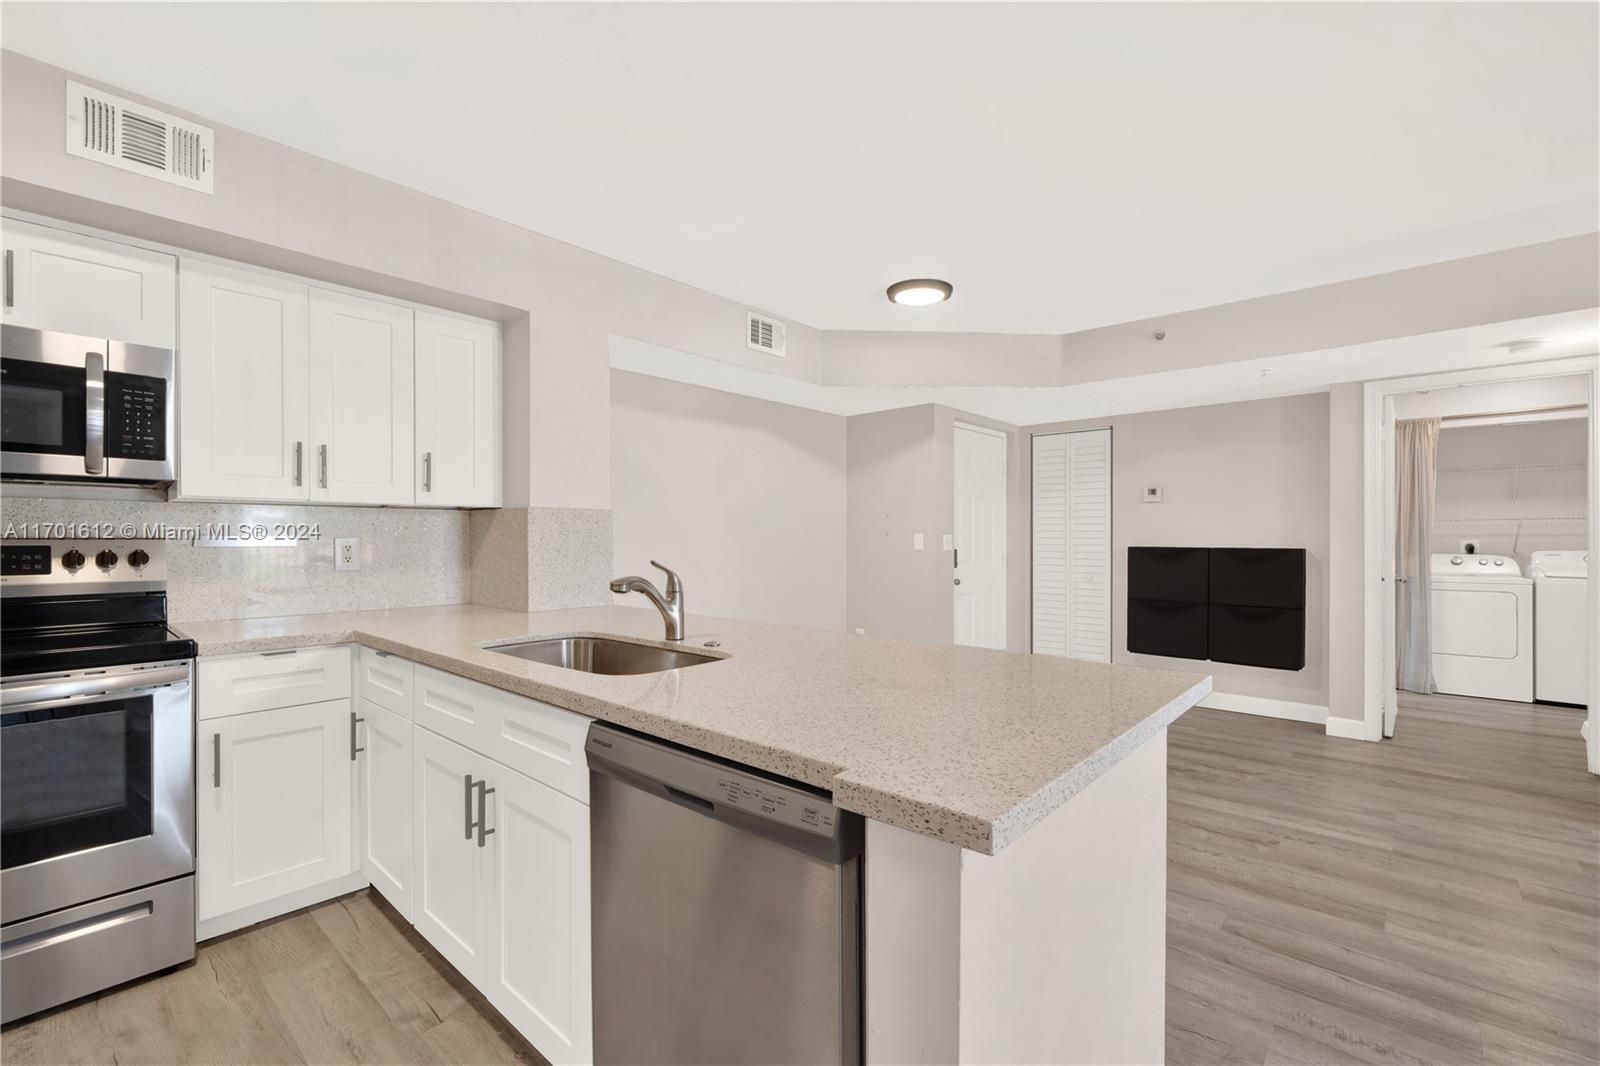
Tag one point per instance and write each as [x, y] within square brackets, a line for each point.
[96, 772]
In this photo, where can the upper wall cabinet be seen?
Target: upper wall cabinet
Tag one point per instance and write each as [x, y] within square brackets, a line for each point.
[458, 412]
[244, 400]
[290, 392]
[72, 283]
[362, 416]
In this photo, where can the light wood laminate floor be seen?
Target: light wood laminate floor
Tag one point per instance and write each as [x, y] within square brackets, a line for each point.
[1435, 898]
[1432, 898]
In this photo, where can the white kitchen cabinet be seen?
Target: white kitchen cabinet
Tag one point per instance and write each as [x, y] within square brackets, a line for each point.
[72, 283]
[451, 905]
[387, 824]
[458, 412]
[273, 810]
[243, 399]
[539, 950]
[362, 414]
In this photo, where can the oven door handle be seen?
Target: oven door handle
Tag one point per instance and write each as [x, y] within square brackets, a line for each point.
[32, 696]
[94, 413]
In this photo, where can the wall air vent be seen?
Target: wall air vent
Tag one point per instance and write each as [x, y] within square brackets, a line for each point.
[132, 137]
[763, 334]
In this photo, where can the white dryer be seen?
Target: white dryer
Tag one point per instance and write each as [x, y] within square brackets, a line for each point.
[1561, 646]
[1481, 626]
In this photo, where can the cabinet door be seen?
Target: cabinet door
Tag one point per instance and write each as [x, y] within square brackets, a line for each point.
[458, 412]
[273, 807]
[386, 781]
[242, 386]
[362, 417]
[70, 283]
[539, 970]
[450, 896]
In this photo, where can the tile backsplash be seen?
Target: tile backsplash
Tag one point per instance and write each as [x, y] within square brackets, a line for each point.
[409, 557]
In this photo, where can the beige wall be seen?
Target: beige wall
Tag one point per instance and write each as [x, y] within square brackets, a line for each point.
[1513, 489]
[1234, 475]
[744, 498]
[1347, 653]
[901, 482]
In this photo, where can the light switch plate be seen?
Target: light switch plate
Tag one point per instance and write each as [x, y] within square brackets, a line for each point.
[949, 542]
[347, 553]
[916, 542]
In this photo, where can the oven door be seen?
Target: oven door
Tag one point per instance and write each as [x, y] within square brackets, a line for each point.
[52, 406]
[96, 785]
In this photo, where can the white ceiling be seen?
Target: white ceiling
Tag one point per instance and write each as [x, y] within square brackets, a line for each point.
[1065, 166]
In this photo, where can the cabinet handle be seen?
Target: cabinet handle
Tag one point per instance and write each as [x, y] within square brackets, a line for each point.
[427, 471]
[353, 748]
[299, 448]
[11, 273]
[484, 792]
[216, 760]
[322, 465]
[469, 805]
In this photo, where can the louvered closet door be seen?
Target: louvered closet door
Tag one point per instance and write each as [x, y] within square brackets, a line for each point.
[1072, 544]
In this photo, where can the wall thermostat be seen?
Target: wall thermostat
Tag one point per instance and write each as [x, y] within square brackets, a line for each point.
[1151, 494]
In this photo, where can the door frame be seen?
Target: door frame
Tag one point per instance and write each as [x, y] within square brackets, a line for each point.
[1380, 510]
[1005, 518]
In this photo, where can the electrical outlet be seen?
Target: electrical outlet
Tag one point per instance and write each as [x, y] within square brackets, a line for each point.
[347, 553]
[949, 542]
[860, 631]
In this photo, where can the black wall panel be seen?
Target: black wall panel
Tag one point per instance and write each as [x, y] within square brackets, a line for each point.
[1229, 605]
[1273, 637]
[1156, 627]
[1175, 575]
[1258, 577]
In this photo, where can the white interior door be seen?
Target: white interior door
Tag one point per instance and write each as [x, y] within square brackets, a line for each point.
[980, 537]
[362, 415]
[1072, 544]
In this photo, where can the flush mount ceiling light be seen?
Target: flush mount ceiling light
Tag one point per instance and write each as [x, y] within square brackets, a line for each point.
[920, 292]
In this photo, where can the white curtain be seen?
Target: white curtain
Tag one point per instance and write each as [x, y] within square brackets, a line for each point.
[1416, 454]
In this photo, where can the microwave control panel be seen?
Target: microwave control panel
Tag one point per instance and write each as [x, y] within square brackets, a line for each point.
[136, 417]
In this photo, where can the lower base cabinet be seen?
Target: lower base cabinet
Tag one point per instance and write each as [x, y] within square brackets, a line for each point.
[539, 947]
[489, 863]
[385, 797]
[272, 805]
[502, 890]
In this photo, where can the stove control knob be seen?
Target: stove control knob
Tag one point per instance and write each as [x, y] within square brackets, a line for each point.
[138, 558]
[73, 560]
[106, 559]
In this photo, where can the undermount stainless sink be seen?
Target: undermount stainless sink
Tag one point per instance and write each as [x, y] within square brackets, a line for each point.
[599, 655]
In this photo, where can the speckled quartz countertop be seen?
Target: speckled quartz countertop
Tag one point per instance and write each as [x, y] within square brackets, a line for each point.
[964, 745]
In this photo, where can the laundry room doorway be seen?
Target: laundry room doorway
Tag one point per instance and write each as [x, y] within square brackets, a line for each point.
[1481, 518]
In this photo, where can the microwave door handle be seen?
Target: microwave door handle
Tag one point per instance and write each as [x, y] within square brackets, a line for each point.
[94, 413]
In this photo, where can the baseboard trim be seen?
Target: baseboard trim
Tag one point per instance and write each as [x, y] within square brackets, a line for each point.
[1266, 708]
[1347, 728]
[260, 912]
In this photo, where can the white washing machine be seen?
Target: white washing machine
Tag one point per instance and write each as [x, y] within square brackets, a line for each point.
[1561, 646]
[1481, 625]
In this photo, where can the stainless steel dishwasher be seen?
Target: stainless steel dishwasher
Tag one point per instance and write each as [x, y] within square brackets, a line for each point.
[726, 911]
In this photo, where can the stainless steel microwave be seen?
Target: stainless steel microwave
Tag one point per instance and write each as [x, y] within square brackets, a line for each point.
[84, 409]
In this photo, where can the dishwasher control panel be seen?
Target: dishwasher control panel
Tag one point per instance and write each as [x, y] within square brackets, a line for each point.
[694, 779]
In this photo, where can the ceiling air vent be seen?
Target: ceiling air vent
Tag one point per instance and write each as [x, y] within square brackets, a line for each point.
[763, 334]
[130, 136]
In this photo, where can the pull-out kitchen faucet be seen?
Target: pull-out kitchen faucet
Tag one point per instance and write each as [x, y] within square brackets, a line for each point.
[670, 605]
